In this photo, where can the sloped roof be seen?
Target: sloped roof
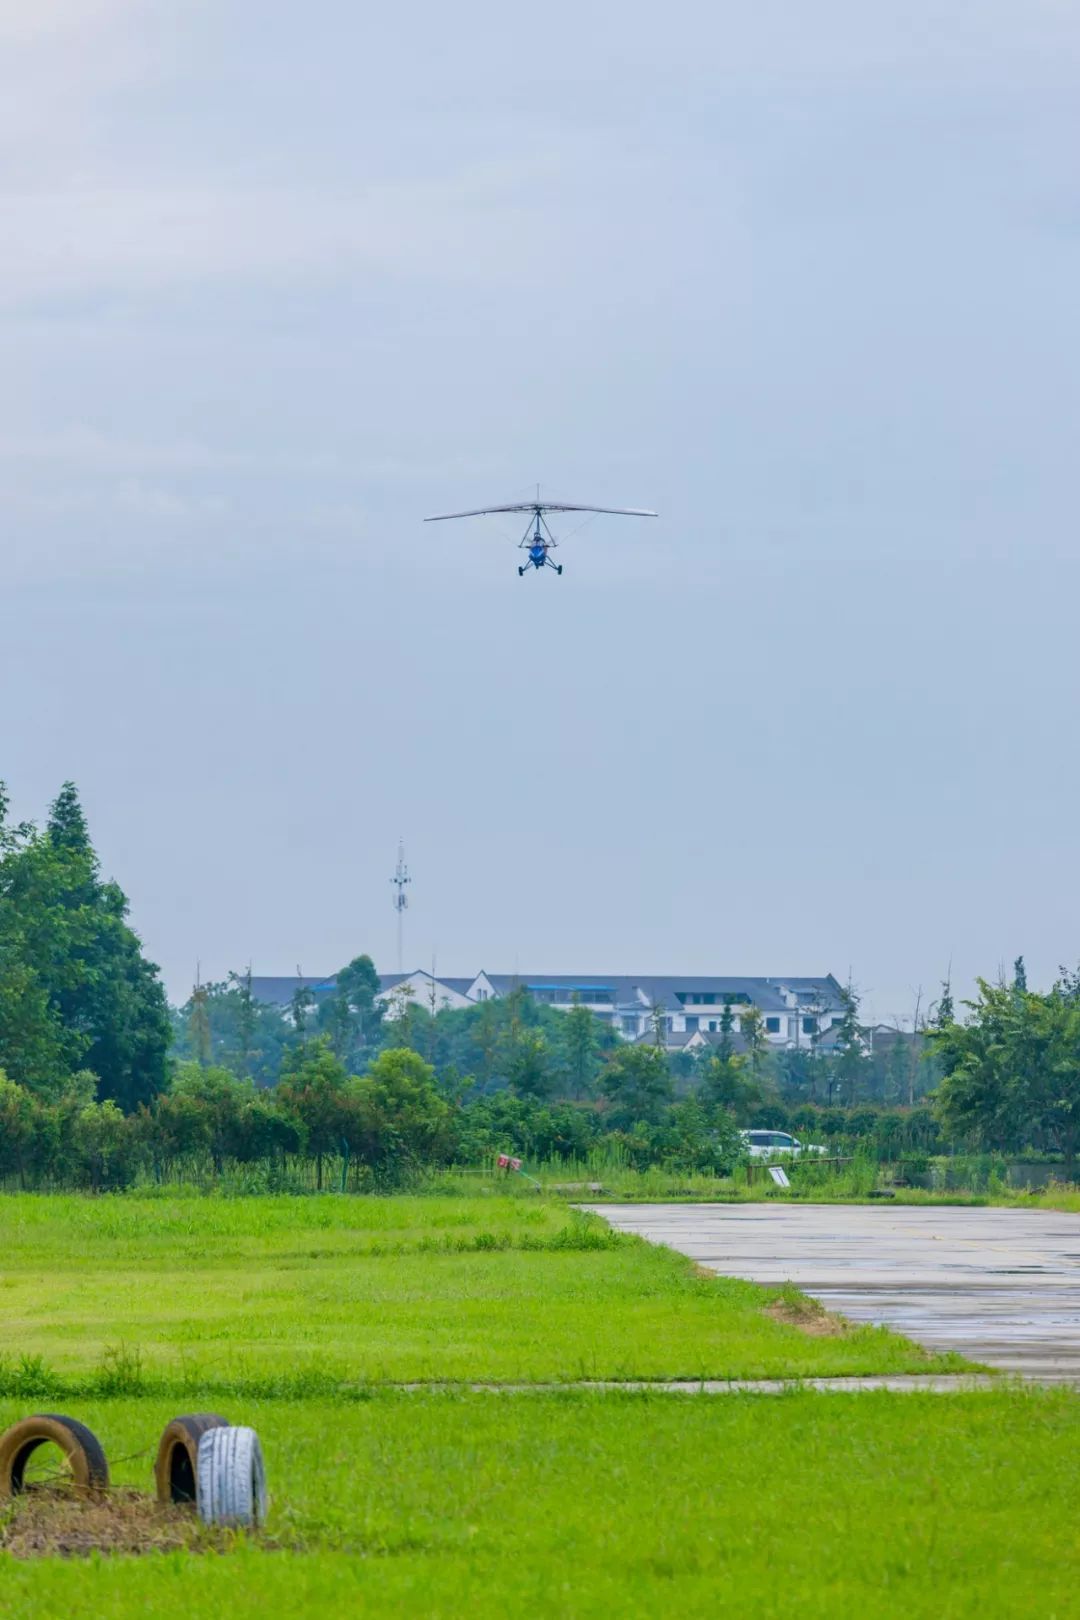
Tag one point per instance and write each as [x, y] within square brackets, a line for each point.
[278, 991]
[828, 989]
[663, 989]
[626, 990]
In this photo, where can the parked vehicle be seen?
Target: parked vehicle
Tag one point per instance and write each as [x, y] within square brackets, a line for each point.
[777, 1145]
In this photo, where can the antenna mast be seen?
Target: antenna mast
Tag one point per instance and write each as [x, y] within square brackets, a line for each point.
[399, 881]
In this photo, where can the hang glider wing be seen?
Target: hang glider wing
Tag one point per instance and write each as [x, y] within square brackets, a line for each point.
[614, 511]
[483, 511]
[543, 506]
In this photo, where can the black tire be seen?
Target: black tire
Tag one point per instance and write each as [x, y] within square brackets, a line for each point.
[558, 568]
[521, 571]
[177, 1462]
[86, 1459]
[231, 1478]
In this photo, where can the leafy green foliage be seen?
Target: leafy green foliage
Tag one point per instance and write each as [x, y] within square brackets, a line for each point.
[726, 1086]
[398, 1119]
[245, 1035]
[637, 1083]
[1012, 1070]
[580, 1042]
[312, 1089]
[351, 1017]
[75, 988]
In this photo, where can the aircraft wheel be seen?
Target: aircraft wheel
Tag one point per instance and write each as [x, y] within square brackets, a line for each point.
[558, 568]
[520, 572]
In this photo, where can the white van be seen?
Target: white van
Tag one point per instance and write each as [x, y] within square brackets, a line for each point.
[777, 1145]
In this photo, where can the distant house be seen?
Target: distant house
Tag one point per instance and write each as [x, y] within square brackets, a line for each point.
[796, 1011]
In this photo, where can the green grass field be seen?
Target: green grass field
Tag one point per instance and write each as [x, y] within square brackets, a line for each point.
[280, 1295]
[617, 1505]
[297, 1315]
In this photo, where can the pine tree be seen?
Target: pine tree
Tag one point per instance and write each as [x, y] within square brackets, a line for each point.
[68, 931]
[67, 827]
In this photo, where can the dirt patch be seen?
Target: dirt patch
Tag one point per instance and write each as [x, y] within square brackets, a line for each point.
[63, 1524]
[809, 1316]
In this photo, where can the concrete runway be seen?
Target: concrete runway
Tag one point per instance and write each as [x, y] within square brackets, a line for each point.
[1001, 1286]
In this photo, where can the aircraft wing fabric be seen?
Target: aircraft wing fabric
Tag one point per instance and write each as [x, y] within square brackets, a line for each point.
[543, 506]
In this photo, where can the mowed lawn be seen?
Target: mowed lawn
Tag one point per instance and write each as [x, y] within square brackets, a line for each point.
[280, 1295]
[601, 1505]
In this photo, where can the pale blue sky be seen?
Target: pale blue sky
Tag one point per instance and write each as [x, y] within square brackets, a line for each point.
[278, 281]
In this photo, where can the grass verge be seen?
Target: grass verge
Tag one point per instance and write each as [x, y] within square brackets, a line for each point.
[600, 1505]
[272, 1297]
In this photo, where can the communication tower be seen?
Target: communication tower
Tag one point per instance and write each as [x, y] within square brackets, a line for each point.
[400, 881]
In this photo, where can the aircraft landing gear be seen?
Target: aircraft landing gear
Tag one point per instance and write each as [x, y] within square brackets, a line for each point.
[520, 572]
[558, 568]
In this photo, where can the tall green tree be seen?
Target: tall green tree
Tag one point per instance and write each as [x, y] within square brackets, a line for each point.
[246, 1017]
[67, 823]
[528, 1064]
[752, 1028]
[300, 1007]
[579, 1044]
[398, 1120]
[64, 933]
[850, 1064]
[637, 1083]
[1007, 1078]
[312, 1089]
[199, 1025]
[351, 1016]
[727, 1088]
[725, 1046]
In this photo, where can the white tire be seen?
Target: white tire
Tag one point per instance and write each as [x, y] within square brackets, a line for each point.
[231, 1478]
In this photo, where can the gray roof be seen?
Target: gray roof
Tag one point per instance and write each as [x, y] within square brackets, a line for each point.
[627, 990]
[279, 991]
[666, 989]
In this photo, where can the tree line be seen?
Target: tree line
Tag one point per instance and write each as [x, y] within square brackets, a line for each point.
[101, 1083]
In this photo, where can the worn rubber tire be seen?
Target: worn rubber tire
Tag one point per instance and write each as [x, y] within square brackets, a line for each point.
[89, 1470]
[231, 1478]
[177, 1463]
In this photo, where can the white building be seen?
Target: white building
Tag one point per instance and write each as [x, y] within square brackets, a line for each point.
[796, 1011]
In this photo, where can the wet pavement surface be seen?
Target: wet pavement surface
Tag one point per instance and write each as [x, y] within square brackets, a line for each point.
[1000, 1286]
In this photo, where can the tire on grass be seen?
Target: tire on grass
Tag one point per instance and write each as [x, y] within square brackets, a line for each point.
[177, 1462]
[89, 1469]
[231, 1478]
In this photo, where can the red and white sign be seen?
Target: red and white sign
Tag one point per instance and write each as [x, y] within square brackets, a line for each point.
[505, 1162]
